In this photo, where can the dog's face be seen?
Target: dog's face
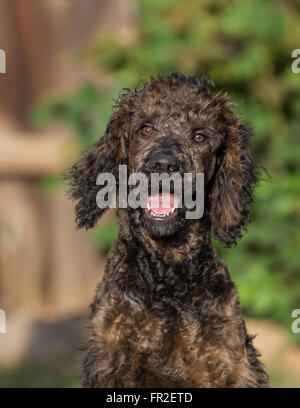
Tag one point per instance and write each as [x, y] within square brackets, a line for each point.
[174, 131]
[175, 124]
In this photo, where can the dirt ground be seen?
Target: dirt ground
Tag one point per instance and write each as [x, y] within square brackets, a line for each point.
[280, 355]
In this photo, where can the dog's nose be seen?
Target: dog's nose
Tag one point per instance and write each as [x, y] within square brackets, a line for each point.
[163, 162]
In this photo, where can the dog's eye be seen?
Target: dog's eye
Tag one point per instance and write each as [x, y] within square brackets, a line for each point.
[146, 130]
[199, 137]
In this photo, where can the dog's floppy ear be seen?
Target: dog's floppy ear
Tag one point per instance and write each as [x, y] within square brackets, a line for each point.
[103, 157]
[232, 185]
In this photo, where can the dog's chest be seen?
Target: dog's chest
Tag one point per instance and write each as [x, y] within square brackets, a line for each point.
[175, 351]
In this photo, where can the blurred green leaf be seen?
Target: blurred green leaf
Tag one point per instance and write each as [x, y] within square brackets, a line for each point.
[104, 236]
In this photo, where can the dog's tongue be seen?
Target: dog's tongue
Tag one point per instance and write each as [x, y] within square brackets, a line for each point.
[162, 203]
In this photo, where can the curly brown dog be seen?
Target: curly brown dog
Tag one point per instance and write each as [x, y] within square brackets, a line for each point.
[167, 313]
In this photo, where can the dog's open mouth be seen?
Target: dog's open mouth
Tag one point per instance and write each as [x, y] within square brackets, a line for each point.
[162, 206]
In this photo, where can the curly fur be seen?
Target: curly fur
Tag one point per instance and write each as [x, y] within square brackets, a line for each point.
[167, 313]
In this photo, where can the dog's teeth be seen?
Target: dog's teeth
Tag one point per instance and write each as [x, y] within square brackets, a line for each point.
[155, 215]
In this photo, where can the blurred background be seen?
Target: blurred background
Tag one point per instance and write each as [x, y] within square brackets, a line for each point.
[66, 62]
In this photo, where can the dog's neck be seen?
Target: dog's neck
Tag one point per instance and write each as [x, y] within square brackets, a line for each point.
[174, 268]
[187, 245]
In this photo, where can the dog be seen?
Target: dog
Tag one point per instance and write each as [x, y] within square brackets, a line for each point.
[167, 313]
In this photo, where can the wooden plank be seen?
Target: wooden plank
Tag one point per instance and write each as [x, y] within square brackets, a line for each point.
[33, 154]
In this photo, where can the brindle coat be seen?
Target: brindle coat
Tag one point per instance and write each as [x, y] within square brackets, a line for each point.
[167, 313]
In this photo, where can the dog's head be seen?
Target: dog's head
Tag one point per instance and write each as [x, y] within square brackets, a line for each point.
[176, 124]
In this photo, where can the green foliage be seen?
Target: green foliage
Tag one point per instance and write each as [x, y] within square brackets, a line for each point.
[85, 111]
[48, 185]
[245, 45]
[38, 376]
[105, 236]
